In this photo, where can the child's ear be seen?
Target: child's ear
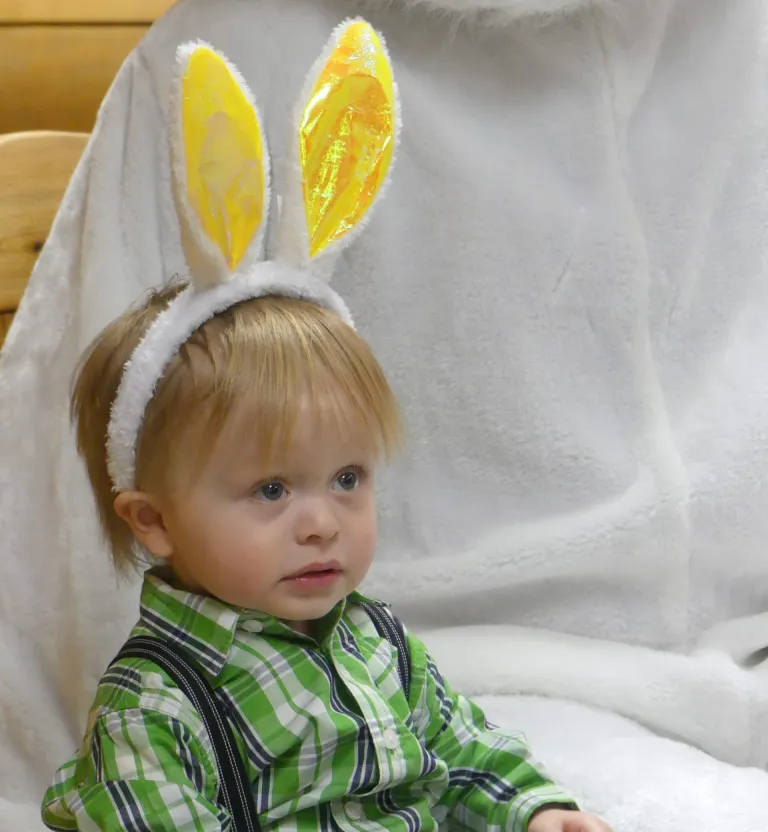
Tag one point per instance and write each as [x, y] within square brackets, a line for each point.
[142, 513]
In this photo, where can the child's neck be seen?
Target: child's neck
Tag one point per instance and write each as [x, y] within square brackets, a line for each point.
[305, 628]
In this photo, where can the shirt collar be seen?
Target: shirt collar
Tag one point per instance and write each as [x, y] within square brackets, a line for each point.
[206, 627]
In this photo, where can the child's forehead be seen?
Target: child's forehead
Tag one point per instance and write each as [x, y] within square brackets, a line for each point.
[313, 427]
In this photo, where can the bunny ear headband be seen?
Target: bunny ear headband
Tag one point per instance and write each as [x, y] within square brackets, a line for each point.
[346, 136]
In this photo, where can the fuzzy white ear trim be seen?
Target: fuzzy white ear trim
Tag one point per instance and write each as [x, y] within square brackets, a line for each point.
[170, 330]
[206, 263]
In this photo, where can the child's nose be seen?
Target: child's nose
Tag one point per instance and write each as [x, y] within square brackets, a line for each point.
[317, 522]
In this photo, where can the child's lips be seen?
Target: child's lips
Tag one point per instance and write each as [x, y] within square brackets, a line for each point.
[315, 576]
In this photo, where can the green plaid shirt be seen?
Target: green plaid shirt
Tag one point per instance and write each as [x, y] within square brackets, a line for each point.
[329, 740]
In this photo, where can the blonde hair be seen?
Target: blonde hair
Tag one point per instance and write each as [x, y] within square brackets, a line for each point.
[270, 353]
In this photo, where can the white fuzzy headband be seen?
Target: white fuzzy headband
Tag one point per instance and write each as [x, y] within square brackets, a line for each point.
[344, 146]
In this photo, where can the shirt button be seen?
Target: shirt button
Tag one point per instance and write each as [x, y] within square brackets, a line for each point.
[252, 626]
[390, 739]
[354, 810]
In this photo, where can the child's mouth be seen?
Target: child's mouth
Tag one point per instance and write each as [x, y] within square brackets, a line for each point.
[315, 576]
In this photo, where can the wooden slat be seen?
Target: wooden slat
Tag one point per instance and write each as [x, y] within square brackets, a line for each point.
[35, 169]
[82, 11]
[5, 325]
[54, 77]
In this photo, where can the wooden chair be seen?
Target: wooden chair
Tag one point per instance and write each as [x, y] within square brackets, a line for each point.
[35, 168]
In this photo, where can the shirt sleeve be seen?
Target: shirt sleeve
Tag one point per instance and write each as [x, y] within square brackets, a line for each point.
[145, 772]
[494, 781]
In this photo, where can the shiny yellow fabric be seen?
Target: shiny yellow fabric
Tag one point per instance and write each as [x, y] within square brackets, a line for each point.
[224, 155]
[346, 136]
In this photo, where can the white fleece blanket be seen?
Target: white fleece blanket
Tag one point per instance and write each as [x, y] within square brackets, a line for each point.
[567, 286]
[611, 756]
[635, 780]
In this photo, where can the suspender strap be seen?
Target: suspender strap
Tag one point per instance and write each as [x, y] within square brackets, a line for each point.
[235, 787]
[390, 628]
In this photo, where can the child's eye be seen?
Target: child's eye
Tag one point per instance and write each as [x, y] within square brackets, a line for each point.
[270, 491]
[347, 481]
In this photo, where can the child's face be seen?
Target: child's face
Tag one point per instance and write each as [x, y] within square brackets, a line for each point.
[246, 532]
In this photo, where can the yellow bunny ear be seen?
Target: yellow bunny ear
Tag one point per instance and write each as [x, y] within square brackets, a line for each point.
[347, 136]
[220, 164]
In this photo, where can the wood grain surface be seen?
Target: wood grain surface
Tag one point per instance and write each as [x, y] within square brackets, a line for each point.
[35, 169]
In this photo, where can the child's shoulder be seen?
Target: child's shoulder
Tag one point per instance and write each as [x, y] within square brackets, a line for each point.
[368, 618]
[137, 684]
[362, 612]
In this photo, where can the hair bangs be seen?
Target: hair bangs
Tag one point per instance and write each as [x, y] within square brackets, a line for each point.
[259, 366]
